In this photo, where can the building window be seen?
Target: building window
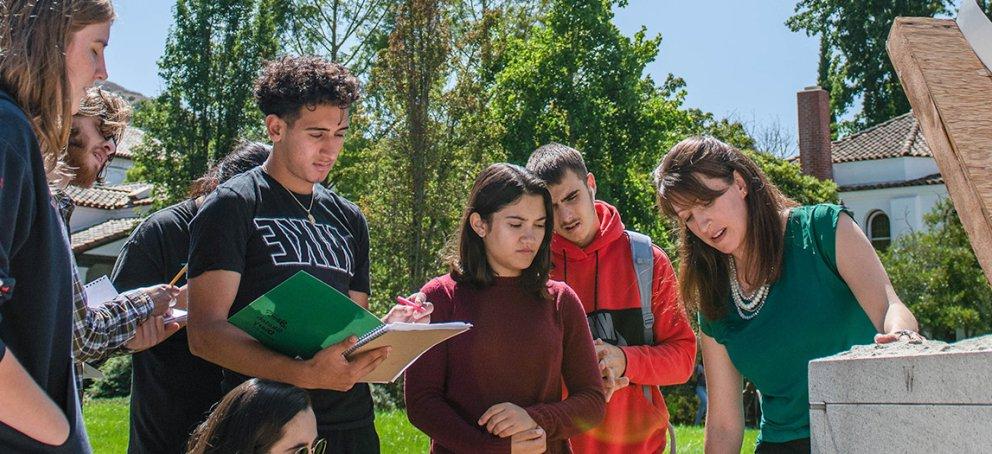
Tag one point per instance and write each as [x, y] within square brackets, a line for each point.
[879, 231]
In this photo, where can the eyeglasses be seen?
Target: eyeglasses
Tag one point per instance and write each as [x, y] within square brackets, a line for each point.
[318, 447]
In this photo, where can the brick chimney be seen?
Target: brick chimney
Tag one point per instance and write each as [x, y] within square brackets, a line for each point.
[814, 132]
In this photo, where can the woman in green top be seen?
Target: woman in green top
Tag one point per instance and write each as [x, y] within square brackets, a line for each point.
[776, 285]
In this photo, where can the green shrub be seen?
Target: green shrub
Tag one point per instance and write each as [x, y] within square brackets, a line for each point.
[116, 381]
[388, 397]
[682, 403]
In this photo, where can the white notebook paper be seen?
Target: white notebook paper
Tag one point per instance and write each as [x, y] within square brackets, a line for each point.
[408, 341]
[100, 292]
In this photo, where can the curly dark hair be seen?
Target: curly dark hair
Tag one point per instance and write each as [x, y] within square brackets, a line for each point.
[290, 83]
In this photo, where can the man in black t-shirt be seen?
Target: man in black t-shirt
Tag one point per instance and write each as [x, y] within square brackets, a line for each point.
[172, 390]
[262, 227]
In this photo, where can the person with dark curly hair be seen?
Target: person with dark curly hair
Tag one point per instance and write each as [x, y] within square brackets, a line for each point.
[259, 229]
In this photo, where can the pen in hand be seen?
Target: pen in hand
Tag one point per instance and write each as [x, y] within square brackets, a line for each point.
[406, 302]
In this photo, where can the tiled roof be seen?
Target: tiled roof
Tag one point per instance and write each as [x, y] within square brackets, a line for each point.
[112, 197]
[101, 234]
[132, 138]
[923, 181]
[898, 137]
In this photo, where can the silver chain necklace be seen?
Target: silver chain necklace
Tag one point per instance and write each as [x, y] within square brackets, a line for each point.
[313, 195]
[747, 306]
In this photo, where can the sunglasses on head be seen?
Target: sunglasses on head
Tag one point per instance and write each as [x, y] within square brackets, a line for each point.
[318, 447]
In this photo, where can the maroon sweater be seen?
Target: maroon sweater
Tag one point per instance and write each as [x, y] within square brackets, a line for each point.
[520, 350]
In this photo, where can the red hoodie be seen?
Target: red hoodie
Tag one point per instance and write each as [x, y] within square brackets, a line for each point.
[602, 274]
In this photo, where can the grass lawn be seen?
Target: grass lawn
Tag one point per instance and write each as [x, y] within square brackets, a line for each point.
[106, 422]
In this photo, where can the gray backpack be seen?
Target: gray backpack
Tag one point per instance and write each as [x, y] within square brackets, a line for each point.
[643, 256]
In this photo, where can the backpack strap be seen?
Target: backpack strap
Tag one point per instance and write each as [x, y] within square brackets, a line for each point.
[643, 257]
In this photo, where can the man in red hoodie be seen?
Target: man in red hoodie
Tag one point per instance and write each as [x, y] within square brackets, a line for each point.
[641, 344]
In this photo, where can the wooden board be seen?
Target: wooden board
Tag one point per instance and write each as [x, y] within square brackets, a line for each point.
[951, 95]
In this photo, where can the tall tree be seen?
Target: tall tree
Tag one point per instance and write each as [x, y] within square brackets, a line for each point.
[404, 207]
[854, 65]
[211, 59]
[423, 134]
[578, 80]
[349, 32]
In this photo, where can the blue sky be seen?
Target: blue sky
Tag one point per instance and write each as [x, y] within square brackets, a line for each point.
[738, 58]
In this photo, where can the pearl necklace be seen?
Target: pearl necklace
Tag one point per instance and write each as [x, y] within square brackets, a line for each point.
[747, 306]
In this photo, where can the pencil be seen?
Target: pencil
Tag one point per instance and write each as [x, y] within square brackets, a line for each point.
[178, 275]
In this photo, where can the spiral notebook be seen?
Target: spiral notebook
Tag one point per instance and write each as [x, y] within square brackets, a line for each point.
[304, 315]
[408, 340]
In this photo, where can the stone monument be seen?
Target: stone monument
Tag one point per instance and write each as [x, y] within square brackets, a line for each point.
[931, 397]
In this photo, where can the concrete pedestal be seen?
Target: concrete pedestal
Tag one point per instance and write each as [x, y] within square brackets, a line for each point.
[927, 398]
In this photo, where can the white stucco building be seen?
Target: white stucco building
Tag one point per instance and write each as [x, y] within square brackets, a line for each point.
[885, 174]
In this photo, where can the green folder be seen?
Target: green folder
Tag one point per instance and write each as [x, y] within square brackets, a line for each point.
[302, 316]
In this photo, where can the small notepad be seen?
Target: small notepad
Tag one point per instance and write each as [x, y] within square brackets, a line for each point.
[102, 291]
[99, 292]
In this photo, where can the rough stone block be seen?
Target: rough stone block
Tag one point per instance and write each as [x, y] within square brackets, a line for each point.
[930, 397]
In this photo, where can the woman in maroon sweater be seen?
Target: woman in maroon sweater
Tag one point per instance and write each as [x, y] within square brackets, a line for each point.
[498, 387]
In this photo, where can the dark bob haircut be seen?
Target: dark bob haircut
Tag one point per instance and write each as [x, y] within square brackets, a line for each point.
[496, 187]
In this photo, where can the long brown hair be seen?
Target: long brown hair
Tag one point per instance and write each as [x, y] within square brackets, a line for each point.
[34, 38]
[249, 419]
[703, 270]
[496, 187]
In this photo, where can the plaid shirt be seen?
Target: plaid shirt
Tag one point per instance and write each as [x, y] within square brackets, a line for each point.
[100, 333]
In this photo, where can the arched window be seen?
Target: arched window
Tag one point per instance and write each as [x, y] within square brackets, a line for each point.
[879, 231]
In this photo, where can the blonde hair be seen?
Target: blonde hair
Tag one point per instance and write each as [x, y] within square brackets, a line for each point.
[112, 110]
[34, 37]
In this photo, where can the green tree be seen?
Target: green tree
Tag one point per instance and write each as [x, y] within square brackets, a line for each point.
[348, 32]
[419, 136]
[211, 59]
[937, 275]
[578, 80]
[854, 64]
[804, 189]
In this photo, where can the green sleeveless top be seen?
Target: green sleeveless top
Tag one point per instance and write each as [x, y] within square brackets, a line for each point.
[809, 313]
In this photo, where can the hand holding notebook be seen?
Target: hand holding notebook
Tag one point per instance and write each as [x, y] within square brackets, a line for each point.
[304, 315]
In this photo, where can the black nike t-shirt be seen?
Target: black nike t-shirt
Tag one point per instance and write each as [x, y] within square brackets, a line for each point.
[252, 225]
[171, 390]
